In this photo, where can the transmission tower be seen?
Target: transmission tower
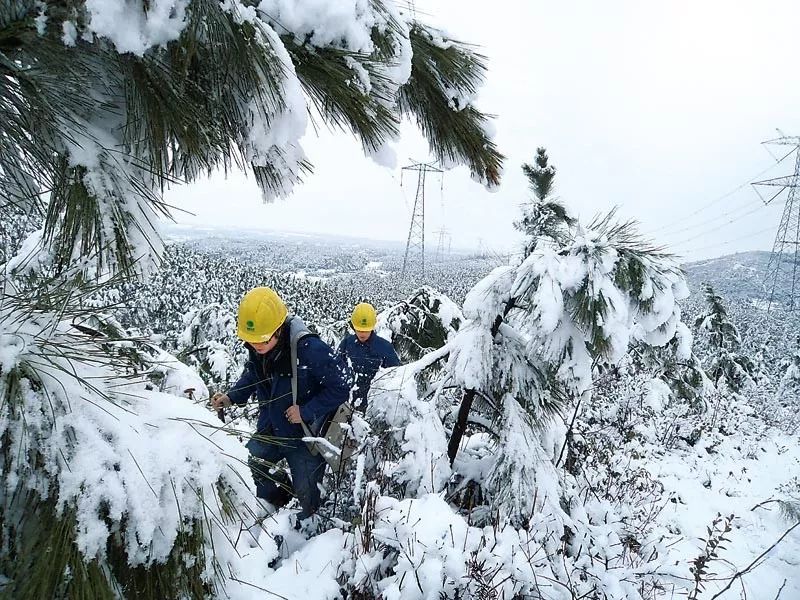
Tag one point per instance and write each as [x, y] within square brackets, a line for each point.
[786, 249]
[415, 245]
[481, 248]
[443, 247]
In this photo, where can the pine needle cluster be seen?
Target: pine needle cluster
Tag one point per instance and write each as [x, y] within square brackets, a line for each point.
[189, 107]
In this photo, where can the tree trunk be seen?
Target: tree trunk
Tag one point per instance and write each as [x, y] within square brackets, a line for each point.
[461, 424]
[469, 395]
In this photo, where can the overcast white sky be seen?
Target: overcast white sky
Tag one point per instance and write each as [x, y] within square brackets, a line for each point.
[659, 108]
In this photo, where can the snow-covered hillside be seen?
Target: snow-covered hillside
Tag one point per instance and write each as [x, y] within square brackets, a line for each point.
[738, 277]
[659, 478]
[661, 496]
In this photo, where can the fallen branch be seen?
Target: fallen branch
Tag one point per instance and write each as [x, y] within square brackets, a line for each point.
[780, 590]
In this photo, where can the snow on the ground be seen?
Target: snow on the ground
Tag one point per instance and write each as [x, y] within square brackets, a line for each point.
[435, 542]
[722, 475]
[306, 569]
[741, 473]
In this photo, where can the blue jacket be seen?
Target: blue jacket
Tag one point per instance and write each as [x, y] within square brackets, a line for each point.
[323, 383]
[366, 358]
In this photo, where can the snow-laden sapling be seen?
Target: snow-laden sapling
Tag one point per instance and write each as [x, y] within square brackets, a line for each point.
[532, 338]
[728, 366]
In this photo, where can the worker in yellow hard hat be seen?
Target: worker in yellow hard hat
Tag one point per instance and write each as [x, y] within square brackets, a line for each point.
[366, 352]
[323, 381]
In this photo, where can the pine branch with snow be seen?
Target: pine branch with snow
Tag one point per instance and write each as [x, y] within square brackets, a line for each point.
[445, 77]
[115, 479]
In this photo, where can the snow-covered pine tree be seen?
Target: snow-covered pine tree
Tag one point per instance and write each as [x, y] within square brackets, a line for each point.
[789, 388]
[544, 216]
[102, 105]
[532, 337]
[727, 365]
[209, 344]
[421, 323]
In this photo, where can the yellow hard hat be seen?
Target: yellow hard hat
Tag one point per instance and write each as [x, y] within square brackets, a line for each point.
[261, 313]
[364, 317]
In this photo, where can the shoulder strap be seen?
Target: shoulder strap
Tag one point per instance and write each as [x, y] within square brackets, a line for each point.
[293, 347]
[298, 331]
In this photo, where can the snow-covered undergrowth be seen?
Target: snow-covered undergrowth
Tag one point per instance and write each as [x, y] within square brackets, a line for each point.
[636, 530]
[685, 477]
[643, 508]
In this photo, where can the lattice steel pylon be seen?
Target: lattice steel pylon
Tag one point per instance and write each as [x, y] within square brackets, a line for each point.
[416, 231]
[443, 247]
[786, 249]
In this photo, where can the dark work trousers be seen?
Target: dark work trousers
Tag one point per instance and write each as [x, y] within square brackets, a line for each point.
[307, 471]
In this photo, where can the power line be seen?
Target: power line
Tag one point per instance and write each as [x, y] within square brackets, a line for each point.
[722, 197]
[403, 194]
[739, 218]
[729, 213]
[743, 237]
